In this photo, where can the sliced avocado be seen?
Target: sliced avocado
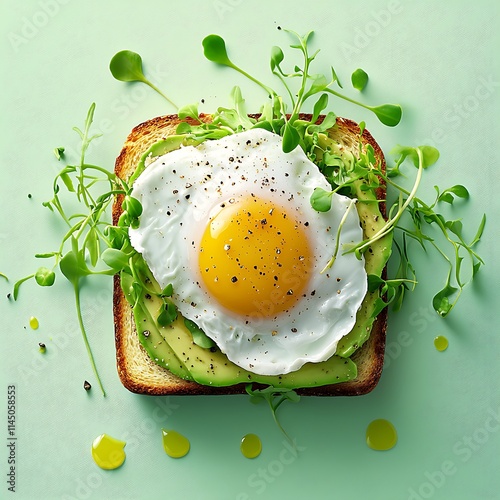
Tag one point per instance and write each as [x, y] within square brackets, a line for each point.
[211, 367]
[376, 258]
[149, 336]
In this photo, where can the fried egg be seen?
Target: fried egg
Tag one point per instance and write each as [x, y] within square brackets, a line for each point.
[230, 226]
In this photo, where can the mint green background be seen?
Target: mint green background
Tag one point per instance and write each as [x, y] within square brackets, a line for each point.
[433, 58]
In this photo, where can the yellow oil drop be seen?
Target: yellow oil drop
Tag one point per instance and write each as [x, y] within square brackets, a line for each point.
[251, 446]
[175, 445]
[108, 452]
[441, 343]
[381, 435]
[34, 323]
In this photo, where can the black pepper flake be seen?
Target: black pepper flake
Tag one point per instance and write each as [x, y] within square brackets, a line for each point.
[146, 333]
[175, 191]
[263, 222]
[87, 386]
[294, 330]
[29, 195]
[234, 279]
[147, 296]
[289, 292]
[231, 158]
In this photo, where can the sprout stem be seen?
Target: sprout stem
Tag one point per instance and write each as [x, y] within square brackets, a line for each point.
[84, 335]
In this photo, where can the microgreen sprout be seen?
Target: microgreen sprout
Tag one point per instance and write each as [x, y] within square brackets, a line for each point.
[311, 84]
[275, 397]
[359, 79]
[420, 214]
[199, 336]
[59, 152]
[214, 48]
[126, 66]
[4, 276]
[337, 238]
[80, 249]
[168, 314]
[277, 115]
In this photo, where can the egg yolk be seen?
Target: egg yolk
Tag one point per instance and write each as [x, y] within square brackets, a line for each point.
[255, 258]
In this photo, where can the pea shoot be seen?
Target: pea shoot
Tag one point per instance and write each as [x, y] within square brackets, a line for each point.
[80, 253]
[275, 397]
[126, 66]
[421, 215]
[359, 79]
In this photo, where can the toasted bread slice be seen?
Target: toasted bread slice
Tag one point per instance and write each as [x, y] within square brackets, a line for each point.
[139, 373]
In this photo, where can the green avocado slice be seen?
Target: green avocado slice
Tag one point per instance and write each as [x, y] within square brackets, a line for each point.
[212, 367]
[375, 260]
[149, 336]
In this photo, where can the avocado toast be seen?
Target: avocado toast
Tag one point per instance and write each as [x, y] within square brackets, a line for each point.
[160, 360]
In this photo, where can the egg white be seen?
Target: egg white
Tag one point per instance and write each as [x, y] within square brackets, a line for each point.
[181, 190]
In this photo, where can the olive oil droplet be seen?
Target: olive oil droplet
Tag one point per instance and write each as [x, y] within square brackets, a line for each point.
[250, 446]
[34, 323]
[107, 452]
[175, 445]
[381, 435]
[441, 343]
